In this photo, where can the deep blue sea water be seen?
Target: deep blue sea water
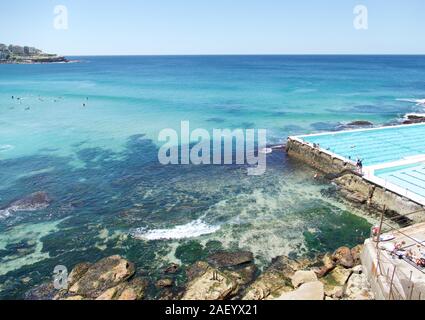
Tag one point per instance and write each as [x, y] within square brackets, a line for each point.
[110, 195]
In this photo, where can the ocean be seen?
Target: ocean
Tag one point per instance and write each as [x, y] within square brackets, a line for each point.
[86, 134]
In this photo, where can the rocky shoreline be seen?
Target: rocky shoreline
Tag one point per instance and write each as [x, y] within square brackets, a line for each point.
[14, 54]
[221, 276]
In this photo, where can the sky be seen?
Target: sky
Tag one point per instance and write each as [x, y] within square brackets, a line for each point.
[168, 27]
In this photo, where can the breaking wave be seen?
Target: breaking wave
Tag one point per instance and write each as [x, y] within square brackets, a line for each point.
[192, 229]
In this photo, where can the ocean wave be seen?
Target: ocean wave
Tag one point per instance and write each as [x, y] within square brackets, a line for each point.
[419, 102]
[5, 147]
[192, 229]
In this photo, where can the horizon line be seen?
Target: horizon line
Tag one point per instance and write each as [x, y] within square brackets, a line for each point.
[243, 54]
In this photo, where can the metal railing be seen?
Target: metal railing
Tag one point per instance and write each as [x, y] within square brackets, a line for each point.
[399, 285]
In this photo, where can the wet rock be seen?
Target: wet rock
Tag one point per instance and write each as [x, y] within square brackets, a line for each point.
[35, 201]
[414, 118]
[274, 281]
[356, 254]
[78, 271]
[301, 277]
[342, 256]
[163, 283]
[230, 259]
[45, 291]
[308, 291]
[209, 283]
[103, 275]
[360, 123]
[172, 269]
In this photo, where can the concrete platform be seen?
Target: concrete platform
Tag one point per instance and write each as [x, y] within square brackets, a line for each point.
[394, 278]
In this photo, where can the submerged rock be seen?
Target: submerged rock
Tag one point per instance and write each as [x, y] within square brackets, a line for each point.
[32, 202]
[172, 268]
[103, 275]
[360, 123]
[230, 259]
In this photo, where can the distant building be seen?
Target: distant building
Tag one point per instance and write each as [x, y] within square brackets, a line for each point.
[31, 51]
[3, 47]
[4, 55]
[18, 50]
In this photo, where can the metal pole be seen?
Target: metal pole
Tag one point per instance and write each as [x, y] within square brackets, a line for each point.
[391, 286]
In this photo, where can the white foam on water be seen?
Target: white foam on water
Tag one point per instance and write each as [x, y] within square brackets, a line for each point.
[192, 229]
[6, 147]
[419, 102]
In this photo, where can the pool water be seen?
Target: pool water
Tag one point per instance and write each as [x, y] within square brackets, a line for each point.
[374, 146]
[410, 177]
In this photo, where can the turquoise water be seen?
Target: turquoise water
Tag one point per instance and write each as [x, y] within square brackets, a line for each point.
[110, 195]
[375, 146]
[410, 177]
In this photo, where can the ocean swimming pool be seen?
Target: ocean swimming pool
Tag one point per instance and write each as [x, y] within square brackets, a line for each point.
[393, 157]
[374, 146]
[410, 177]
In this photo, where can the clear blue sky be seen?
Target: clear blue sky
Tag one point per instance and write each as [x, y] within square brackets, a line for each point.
[215, 26]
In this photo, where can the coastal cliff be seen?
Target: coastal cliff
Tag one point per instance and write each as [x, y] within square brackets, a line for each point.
[13, 54]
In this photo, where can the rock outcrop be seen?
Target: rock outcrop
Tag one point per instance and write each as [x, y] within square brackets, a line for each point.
[108, 279]
[222, 276]
[209, 283]
[414, 118]
[101, 276]
[308, 291]
[343, 257]
[274, 281]
[302, 277]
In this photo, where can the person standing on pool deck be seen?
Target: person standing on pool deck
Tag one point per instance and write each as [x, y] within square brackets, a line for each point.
[359, 165]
